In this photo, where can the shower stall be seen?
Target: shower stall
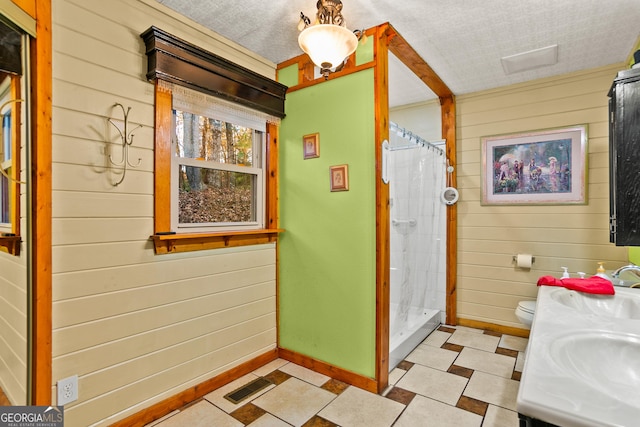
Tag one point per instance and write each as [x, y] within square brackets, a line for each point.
[415, 170]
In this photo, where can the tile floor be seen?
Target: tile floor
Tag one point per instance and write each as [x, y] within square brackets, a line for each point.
[457, 377]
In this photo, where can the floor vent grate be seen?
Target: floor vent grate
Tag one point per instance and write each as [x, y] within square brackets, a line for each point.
[247, 390]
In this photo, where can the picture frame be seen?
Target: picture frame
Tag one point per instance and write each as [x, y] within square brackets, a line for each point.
[538, 167]
[311, 146]
[339, 178]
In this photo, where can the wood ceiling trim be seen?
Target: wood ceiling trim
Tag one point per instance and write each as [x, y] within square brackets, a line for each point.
[409, 57]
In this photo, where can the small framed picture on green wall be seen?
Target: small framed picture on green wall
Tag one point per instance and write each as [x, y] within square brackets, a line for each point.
[311, 146]
[339, 177]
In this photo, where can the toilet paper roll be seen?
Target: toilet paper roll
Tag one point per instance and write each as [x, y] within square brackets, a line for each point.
[524, 260]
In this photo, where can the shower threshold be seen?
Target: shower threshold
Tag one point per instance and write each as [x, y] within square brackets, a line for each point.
[406, 340]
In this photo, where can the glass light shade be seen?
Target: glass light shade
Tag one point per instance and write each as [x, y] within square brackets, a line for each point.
[327, 44]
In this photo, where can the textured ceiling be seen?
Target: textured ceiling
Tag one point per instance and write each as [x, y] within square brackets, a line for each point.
[462, 40]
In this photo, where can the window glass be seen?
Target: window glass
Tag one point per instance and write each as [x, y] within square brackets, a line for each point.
[217, 174]
[10, 65]
[215, 196]
[5, 155]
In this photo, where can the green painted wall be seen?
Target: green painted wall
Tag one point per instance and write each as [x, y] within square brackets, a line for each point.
[327, 253]
[289, 75]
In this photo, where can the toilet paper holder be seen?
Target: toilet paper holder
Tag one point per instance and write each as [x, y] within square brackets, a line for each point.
[515, 259]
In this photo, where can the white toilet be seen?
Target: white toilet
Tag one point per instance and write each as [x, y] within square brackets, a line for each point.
[525, 312]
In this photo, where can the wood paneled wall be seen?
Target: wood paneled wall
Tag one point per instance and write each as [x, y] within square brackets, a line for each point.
[13, 327]
[489, 286]
[135, 327]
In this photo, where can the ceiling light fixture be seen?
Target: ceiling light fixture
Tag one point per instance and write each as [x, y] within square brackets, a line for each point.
[328, 42]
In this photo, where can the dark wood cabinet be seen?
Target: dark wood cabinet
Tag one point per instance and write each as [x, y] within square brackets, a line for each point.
[624, 159]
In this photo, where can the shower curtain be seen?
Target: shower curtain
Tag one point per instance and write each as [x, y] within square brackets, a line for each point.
[416, 171]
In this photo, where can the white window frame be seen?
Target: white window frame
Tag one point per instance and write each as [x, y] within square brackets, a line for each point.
[201, 104]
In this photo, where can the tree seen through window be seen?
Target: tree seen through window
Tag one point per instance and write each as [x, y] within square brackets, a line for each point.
[217, 175]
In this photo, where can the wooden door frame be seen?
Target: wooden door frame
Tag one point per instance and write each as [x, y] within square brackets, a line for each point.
[387, 40]
[39, 238]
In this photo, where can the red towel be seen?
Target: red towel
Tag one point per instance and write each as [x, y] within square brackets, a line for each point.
[591, 285]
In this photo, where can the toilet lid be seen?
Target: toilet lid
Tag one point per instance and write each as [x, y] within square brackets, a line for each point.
[528, 306]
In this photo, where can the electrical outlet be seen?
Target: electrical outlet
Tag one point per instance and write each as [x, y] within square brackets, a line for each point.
[68, 390]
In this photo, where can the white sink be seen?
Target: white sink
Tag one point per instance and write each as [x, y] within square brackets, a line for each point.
[582, 366]
[615, 357]
[625, 306]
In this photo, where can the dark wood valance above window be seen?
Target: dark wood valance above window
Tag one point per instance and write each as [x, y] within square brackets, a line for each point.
[177, 61]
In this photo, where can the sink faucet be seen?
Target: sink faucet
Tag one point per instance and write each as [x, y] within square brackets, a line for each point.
[631, 267]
